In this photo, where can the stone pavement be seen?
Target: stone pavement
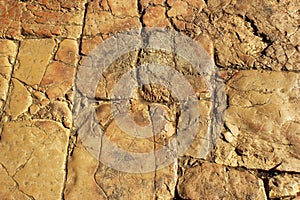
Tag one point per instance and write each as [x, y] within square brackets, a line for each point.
[255, 46]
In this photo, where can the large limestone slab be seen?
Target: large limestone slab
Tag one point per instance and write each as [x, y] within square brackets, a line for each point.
[212, 181]
[263, 122]
[89, 178]
[68, 52]
[114, 17]
[34, 154]
[34, 56]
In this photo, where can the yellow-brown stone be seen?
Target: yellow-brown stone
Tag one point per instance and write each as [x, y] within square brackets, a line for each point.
[33, 58]
[67, 52]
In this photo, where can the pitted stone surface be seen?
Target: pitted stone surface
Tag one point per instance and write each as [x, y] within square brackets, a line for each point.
[263, 121]
[214, 181]
[33, 58]
[255, 46]
[33, 152]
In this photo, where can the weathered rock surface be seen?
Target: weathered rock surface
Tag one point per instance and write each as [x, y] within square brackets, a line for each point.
[34, 155]
[87, 178]
[19, 100]
[33, 58]
[8, 52]
[285, 185]
[263, 122]
[58, 79]
[9, 188]
[255, 45]
[114, 17]
[42, 18]
[212, 181]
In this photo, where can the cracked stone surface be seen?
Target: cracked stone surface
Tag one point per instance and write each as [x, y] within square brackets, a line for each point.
[212, 181]
[33, 153]
[284, 185]
[255, 46]
[262, 121]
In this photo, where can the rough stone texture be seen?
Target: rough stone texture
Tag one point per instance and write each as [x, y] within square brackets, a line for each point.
[115, 16]
[9, 188]
[67, 52]
[8, 52]
[34, 154]
[155, 17]
[212, 181]
[41, 18]
[255, 45]
[102, 182]
[19, 100]
[58, 79]
[263, 122]
[34, 56]
[284, 185]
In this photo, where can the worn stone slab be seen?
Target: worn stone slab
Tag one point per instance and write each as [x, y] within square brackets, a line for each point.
[33, 58]
[34, 154]
[115, 16]
[212, 181]
[68, 52]
[263, 122]
[42, 18]
[9, 188]
[19, 100]
[58, 79]
[87, 178]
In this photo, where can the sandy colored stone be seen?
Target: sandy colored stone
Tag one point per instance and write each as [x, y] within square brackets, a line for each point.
[48, 18]
[89, 179]
[9, 188]
[68, 52]
[42, 18]
[122, 18]
[10, 19]
[123, 8]
[261, 130]
[212, 181]
[33, 109]
[156, 93]
[81, 182]
[263, 115]
[8, 51]
[181, 10]
[89, 44]
[155, 17]
[155, 185]
[272, 32]
[284, 185]
[19, 100]
[34, 56]
[111, 76]
[206, 43]
[178, 8]
[35, 151]
[58, 79]
[61, 113]
[145, 3]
